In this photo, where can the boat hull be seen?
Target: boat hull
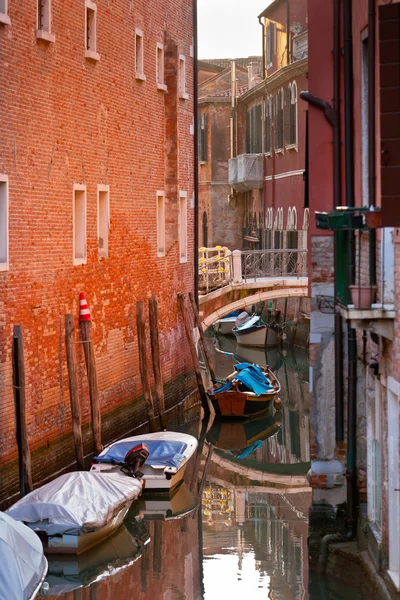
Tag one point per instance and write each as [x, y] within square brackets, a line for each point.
[252, 337]
[225, 326]
[240, 404]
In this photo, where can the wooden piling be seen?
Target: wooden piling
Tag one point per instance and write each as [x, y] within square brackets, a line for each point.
[87, 339]
[24, 455]
[158, 548]
[155, 354]
[73, 391]
[202, 337]
[144, 371]
[195, 358]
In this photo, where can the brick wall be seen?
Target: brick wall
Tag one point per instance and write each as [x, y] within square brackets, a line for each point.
[65, 120]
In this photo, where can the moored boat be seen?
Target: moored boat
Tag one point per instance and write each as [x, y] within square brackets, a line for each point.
[254, 333]
[246, 392]
[77, 510]
[23, 566]
[163, 470]
[225, 325]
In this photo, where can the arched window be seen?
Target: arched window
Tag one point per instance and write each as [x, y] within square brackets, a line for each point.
[278, 120]
[306, 218]
[294, 218]
[291, 115]
[268, 126]
[269, 218]
[289, 224]
[205, 230]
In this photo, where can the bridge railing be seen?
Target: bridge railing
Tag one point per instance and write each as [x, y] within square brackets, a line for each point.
[256, 264]
[219, 266]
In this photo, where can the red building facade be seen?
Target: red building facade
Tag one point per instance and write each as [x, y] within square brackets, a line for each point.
[96, 195]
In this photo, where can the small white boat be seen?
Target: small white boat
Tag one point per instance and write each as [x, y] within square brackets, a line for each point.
[77, 510]
[23, 566]
[163, 470]
[251, 333]
[225, 325]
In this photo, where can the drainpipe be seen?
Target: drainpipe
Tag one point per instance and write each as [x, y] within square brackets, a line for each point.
[371, 133]
[287, 32]
[195, 157]
[264, 66]
[352, 340]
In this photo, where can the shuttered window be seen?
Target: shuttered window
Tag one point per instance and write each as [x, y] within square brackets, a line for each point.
[254, 130]
[278, 120]
[291, 115]
[203, 142]
[270, 42]
[267, 126]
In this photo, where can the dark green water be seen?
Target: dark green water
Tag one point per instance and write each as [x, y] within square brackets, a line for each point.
[245, 532]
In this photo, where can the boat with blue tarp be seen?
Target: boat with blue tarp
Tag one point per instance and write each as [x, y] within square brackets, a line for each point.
[163, 470]
[246, 392]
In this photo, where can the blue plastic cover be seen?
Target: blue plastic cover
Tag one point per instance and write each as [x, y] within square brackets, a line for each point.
[252, 377]
[161, 452]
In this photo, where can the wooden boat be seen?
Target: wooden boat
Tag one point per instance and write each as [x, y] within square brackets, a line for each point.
[240, 402]
[254, 333]
[77, 510]
[163, 470]
[225, 325]
[23, 566]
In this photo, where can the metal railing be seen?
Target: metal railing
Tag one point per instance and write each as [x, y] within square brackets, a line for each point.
[257, 264]
[215, 268]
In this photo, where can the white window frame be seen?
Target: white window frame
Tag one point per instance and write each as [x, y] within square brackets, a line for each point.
[393, 480]
[4, 266]
[43, 31]
[293, 101]
[101, 227]
[139, 57]
[160, 70]
[160, 216]
[81, 260]
[183, 227]
[182, 77]
[4, 18]
[91, 52]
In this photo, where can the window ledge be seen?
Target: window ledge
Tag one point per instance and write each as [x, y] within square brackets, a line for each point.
[203, 162]
[92, 55]
[4, 267]
[46, 36]
[395, 577]
[5, 19]
[160, 254]
[184, 96]
[183, 259]
[279, 151]
[140, 76]
[162, 87]
[292, 147]
[79, 261]
[268, 154]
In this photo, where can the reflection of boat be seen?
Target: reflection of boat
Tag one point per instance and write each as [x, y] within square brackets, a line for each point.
[164, 468]
[246, 392]
[166, 508]
[261, 356]
[237, 435]
[77, 510]
[23, 565]
[68, 573]
[254, 333]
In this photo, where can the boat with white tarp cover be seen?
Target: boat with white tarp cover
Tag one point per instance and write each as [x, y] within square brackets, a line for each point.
[23, 566]
[77, 510]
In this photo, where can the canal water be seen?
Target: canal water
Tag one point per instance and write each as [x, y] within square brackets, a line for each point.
[237, 528]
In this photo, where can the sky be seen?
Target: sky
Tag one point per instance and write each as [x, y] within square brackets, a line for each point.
[230, 28]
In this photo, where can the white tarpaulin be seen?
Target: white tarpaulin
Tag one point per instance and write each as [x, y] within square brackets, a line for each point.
[76, 503]
[22, 563]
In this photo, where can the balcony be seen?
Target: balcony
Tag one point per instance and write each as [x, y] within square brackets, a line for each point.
[246, 172]
[300, 45]
[364, 281]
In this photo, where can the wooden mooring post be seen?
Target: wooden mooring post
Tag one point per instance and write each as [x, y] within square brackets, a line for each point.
[203, 338]
[73, 391]
[193, 352]
[144, 371]
[155, 354]
[24, 455]
[85, 324]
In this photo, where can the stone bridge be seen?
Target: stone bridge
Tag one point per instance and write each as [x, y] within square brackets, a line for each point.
[234, 296]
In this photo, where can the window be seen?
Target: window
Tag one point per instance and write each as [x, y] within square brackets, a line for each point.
[203, 143]
[291, 115]
[364, 121]
[139, 55]
[90, 31]
[160, 68]
[3, 222]
[278, 121]
[254, 130]
[4, 18]
[182, 78]
[270, 42]
[44, 21]
[267, 126]
[79, 225]
[160, 224]
[205, 230]
[183, 226]
[103, 218]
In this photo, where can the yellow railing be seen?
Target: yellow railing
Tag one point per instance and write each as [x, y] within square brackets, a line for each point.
[214, 268]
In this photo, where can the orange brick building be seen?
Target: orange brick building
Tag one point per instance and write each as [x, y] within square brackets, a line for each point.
[96, 195]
